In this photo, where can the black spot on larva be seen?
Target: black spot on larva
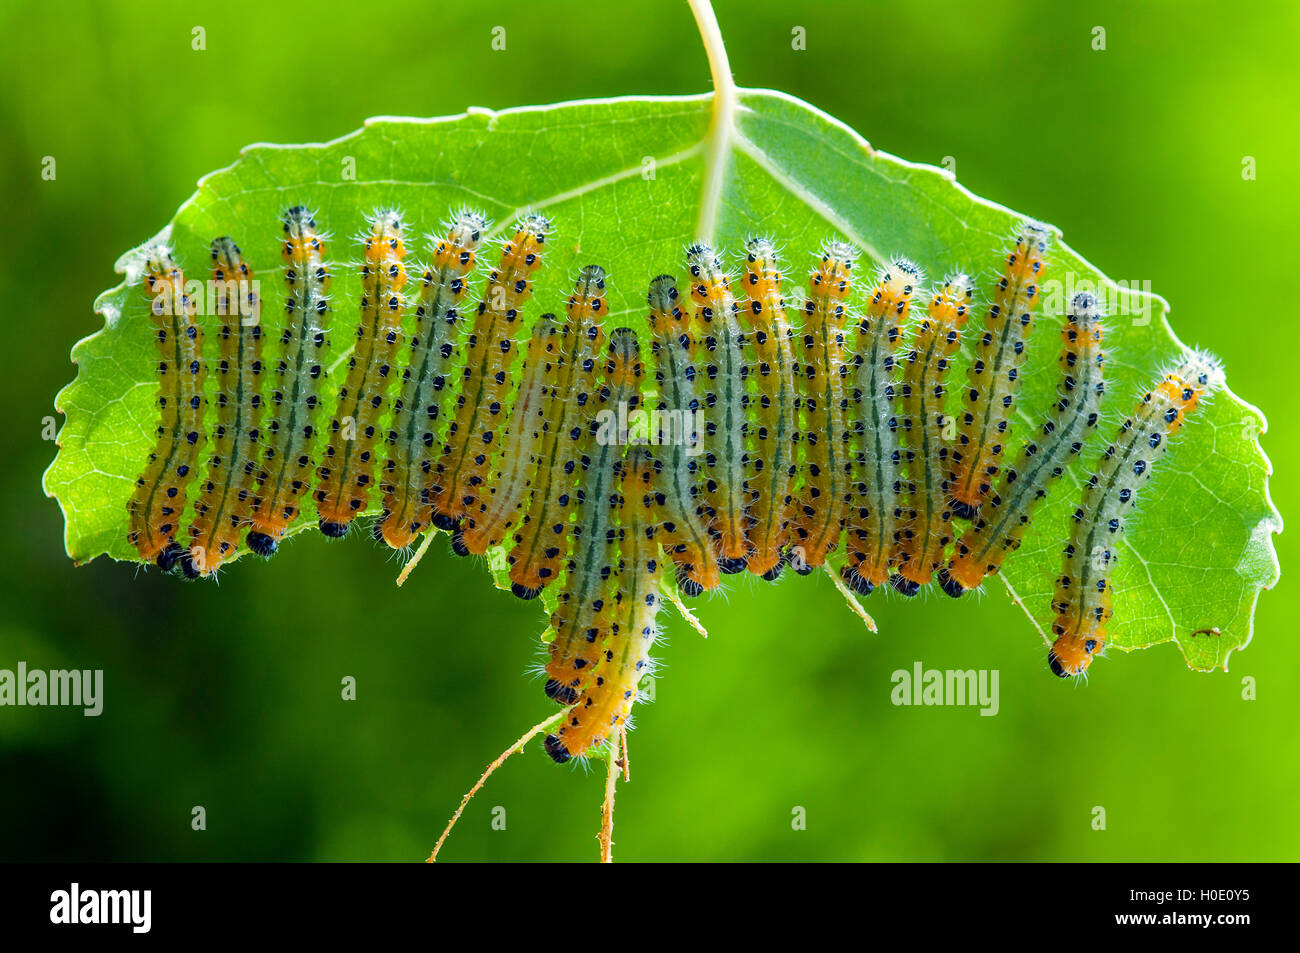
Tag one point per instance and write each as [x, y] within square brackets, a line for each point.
[853, 579]
[168, 558]
[904, 585]
[555, 748]
[261, 544]
[949, 585]
[523, 592]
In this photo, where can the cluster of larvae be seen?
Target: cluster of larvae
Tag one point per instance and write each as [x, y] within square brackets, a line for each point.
[770, 433]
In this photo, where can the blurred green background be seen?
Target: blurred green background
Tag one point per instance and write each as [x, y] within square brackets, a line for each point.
[217, 695]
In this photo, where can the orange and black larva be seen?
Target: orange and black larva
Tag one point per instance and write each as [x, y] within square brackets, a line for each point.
[414, 433]
[718, 347]
[821, 377]
[537, 550]
[158, 500]
[221, 511]
[993, 379]
[588, 613]
[1082, 600]
[773, 464]
[875, 519]
[347, 469]
[510, 491]
[290, 434]
[472, 442]
[683, 522]
[516, 453]
[925, 522]
[632, 590]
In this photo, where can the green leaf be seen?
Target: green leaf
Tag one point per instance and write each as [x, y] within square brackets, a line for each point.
[629, 182]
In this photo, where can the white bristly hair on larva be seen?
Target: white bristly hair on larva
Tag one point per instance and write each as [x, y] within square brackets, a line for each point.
[1081, 602]
[873, 522]
[722, 371]
[422, 403]
[288, 467]
[993, 379]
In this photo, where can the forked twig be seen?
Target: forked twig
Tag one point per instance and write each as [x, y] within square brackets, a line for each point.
[514, 748]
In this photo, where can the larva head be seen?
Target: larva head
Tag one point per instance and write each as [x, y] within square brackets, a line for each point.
[666, 315]
[1072, 652]
[623, 369]
[895, 285]
[587, 302]
[300, 235]
[1082, 331]
[1197, 376]
[227, 258]
[1027, 258]
[164, 283]
[458, 249]
[951, 304]
[1085, 310]
[541, 343]
[833, 276]
[384, 241]
[160, 269]
[522, 251]
[232, 280]
[708, 280]
[762, 268]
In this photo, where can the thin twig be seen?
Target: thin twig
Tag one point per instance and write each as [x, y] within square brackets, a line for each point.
[675, 598]
[514, 748]
[606, 836]
[854, 605]
[419, 554]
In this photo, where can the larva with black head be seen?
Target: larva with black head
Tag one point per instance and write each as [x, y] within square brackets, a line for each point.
[472, 438]
[222, 509]
[874, 523]
[684, 529]
[721, 375]
[993, 379]
[772, 461]
[996, 530]
[511, 491]
[158, 500]
[540, 537]
[587, 614]
[287, 467]
[925, 524]
[605, 705]
[1081, 602]
[822, 366]
[347, 469]
[414, 438]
